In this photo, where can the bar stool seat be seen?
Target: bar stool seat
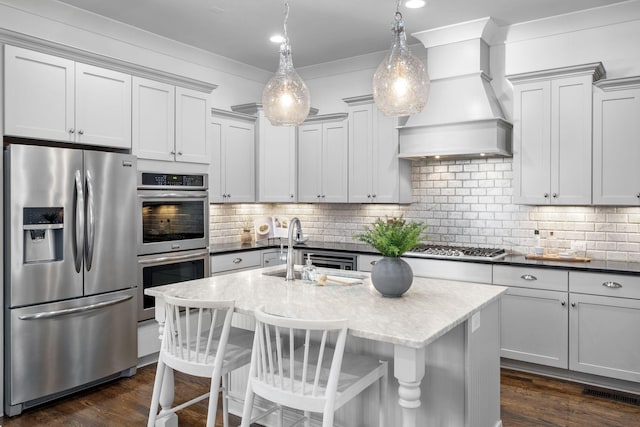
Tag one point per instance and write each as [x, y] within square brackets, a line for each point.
[199, 340]
[293, 366]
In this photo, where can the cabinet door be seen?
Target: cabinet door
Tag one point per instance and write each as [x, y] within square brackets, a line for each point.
[532, 149]
[38, 95]
[361, 141]
[389, 172]
[534, 326]
[216, 163]
[616, 152]
[335, 163]
[192, 121]
[153, 120]
[239, 167]
[604, 336]
[571, 100]
[310, 163]
[276, 162]
[103, 107]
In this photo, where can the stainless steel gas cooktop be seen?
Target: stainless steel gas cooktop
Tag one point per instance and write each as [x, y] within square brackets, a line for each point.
[460, 252]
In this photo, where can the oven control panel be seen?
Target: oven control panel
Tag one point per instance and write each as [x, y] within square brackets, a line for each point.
[152, 180]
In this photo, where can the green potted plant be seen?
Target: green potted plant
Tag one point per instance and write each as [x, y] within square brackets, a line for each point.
[392, 237]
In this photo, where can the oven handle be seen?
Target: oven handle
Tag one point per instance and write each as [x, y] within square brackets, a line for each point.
[173, 195]
[173, 258]
[66, 311]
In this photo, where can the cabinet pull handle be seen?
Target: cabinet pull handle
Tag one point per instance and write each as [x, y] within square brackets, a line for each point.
[529, 277]
[612, 285]
[237, 260]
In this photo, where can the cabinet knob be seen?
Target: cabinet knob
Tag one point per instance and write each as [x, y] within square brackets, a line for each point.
[237, 260]
[573, 304]
[172, 152]
[373, 195]
[291, 196]
[546, 195]
[368, 196]
[555, 195]
[318, 196]
[228, 195]
[563, 303]
[374, 262]
[72, 130]
[179, 153]
[638, 195]
[81, 132]
[323, 196]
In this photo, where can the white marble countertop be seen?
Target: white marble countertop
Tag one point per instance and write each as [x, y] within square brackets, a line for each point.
[430, 309]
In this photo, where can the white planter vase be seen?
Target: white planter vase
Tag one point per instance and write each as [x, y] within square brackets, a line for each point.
[391, 276]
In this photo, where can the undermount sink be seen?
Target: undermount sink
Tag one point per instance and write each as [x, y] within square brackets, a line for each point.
[283, 273]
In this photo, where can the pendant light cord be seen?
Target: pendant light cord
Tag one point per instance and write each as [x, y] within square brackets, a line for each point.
[286, 18]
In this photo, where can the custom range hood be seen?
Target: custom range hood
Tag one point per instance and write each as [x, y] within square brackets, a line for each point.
[462, 118]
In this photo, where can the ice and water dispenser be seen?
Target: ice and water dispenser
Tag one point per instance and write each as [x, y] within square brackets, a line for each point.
[43, 234]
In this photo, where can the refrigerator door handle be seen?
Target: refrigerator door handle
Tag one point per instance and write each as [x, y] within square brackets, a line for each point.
[91, 223]
[75, 310]
[79, 219]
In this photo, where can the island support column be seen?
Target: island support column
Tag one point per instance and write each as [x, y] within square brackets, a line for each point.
[409, 367]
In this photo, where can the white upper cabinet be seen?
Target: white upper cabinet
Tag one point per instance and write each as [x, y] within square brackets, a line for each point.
[616, 133]
[153, 119]
[376, 174]
[232, 167]
[323, 159]
[276, 158]
[52, 98]
[192, 122]
[552, 135]
[169, 123]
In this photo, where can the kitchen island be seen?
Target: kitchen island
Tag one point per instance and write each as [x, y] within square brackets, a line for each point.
[445, 331]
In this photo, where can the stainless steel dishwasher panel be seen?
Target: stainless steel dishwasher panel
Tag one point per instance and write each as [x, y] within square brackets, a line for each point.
[58, 346]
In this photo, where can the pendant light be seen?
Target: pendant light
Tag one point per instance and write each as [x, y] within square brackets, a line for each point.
[285, 98]
[400, 83]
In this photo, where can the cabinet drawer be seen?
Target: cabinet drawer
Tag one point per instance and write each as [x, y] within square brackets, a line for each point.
[450, 270]
[366, 262]
[612, 285]
[529, 277]
[235, 261]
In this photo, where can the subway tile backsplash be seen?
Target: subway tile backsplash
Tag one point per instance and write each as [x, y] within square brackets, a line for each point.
[466, 202]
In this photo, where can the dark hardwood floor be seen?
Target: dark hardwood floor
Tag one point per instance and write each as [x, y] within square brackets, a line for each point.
[527, 400]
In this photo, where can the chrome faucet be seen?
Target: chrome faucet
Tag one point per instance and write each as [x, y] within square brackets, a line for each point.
[294, 221]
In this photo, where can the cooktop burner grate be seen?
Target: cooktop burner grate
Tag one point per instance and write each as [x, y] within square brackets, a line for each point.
[444, 251]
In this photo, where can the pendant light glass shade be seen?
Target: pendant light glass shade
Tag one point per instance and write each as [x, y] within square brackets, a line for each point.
[400, 83]
[285, 98]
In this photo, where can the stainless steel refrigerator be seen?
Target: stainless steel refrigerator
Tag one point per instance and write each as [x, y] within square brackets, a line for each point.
[70, 271]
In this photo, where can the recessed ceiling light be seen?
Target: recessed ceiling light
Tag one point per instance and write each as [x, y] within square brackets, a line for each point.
[276, 38]
[415, 4]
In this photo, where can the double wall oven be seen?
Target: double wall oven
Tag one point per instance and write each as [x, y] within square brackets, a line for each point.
[174, 238]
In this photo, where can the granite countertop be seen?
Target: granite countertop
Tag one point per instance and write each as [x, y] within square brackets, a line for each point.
[430, 309]
[516, 260]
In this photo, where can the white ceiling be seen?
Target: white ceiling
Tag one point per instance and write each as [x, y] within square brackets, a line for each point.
[319, 30]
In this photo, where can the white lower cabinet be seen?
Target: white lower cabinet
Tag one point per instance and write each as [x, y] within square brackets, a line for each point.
[534, 326]
[235, 261]
[533, 315]
[603, 327]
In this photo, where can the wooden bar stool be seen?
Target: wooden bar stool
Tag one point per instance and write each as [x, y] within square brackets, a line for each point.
[199, 340]
[293, 366]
